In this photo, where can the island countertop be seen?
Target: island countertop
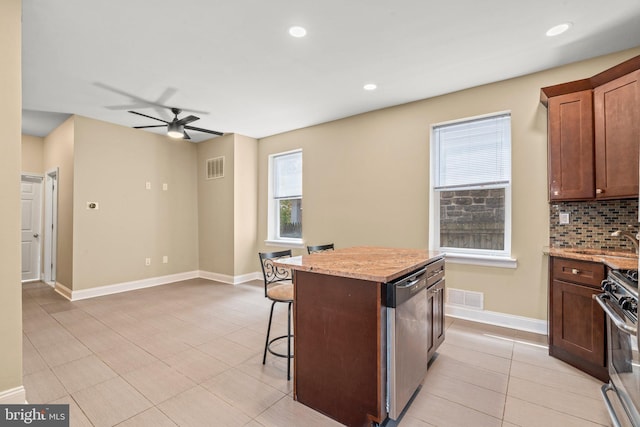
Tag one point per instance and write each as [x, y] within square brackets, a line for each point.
[373, 263]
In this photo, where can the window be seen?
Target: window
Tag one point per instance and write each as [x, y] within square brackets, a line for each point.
[471, 187]
[285, 197]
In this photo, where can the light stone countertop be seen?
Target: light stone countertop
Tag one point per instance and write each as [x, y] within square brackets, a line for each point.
[372, 263]
[613, 259]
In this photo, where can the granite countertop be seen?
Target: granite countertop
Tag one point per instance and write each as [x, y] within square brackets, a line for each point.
[377, 264]
[613, 259]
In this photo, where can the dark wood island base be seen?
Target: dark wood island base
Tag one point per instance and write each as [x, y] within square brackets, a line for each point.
[340, 329]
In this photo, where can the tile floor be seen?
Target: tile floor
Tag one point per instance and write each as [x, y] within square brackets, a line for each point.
[190, 354]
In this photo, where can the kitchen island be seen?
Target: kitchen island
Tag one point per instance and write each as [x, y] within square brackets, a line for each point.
[341, 327]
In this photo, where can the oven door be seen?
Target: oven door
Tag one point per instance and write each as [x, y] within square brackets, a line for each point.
[624, 364]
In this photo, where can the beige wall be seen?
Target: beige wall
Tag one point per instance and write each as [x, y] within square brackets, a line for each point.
[245, 204]
[10, 165]
[366, 181]
[112, 166]
[216, 207]
[33, 154]
[227, 207]
[58, 153]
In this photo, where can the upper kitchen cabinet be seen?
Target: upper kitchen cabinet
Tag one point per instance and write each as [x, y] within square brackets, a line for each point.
[570, 162]
[616, 110]
[593, 135]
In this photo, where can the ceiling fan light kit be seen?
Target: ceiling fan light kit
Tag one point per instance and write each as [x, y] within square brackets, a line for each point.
[174, 130]
[177, 128]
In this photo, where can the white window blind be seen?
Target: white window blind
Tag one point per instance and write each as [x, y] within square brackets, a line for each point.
[474, 152]
[287, 175]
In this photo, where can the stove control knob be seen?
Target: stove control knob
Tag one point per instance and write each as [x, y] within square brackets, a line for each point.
[608, 286]
[629, 304]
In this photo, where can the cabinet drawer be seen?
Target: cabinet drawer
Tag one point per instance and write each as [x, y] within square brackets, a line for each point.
[583, 272]
[435, 272]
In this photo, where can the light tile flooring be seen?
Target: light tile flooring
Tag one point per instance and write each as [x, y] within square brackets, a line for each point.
[190, 354]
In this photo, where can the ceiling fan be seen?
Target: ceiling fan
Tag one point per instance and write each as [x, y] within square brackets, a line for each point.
[176, 128]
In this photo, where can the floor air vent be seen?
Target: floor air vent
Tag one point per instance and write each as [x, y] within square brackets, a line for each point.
[464, 298]
[215, 168]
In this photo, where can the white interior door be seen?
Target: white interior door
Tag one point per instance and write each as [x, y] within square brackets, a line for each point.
[31, 195]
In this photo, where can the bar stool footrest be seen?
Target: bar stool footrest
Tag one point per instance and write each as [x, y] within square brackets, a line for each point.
[273, 351]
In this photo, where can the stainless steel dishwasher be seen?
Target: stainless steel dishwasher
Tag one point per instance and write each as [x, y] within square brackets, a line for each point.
[407, 339]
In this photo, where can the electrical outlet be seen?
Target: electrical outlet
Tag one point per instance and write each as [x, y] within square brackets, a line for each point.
[165, 259]
[147, 261]
[564, 218]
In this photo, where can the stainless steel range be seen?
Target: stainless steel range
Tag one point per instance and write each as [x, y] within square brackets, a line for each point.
[620, 302]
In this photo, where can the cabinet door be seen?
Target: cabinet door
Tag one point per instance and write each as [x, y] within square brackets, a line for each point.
[438, 315]
[578, 322]
[616, 137]
[431, 309]
[570, 162]
[435, 317]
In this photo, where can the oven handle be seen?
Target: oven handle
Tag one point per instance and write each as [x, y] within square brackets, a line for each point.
[617, 320]
[612, 413]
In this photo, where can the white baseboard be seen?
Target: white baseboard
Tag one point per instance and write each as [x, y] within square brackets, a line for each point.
[499, 319]
[231, 280]
[123, 287]
[72, 295]
[13, 396]
[63, 290]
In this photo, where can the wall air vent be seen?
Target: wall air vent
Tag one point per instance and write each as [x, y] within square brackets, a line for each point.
[215, 168]
[464, 298]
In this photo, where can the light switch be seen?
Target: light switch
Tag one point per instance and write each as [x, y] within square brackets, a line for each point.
[165, 259]
[564, 217]
[165, 186]
[147, 185]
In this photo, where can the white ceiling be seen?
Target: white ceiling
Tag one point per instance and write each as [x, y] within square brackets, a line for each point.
[233, 63]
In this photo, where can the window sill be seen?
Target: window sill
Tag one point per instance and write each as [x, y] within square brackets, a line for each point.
[483, 260]
[297, 243]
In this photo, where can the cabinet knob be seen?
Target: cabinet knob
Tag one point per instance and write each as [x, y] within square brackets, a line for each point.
[599, 191]
[575, 271]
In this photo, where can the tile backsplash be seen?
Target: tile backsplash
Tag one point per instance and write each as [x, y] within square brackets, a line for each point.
[592, 222]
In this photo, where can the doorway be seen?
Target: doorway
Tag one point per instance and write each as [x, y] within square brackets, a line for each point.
[50, 226]
[31, 212]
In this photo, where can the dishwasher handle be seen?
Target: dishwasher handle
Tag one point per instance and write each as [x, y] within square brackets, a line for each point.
[405, 285]
[406, 288]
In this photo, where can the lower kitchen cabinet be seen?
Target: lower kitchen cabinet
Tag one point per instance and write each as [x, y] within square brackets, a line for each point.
[435, 317]
[576, 322]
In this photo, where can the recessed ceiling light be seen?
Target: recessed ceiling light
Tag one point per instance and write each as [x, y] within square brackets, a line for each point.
[558, 29]
[370, 86]
[297, 31]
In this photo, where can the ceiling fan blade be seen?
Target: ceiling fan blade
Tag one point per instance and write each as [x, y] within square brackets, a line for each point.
[188, 119]
[215, 132]
[150, 117]
[153, 126]
[185, 135]
[164, 96]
